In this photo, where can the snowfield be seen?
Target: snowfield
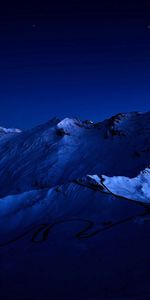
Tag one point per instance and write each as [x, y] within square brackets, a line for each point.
[137, 188]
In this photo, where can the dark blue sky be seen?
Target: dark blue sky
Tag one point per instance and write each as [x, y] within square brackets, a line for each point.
[89, 59]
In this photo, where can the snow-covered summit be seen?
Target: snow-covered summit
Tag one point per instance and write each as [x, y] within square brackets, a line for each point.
[67, 126]
[72, 125]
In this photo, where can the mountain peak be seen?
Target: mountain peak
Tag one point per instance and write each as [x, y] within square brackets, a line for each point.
[4, 131]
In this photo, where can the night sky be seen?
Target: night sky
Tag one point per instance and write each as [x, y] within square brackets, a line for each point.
[89, 59]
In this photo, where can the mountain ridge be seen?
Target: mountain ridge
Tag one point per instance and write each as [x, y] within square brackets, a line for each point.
[60, 151]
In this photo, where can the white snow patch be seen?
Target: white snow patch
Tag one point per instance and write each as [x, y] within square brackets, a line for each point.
[137, 188]
[68, 124]
[10, 130]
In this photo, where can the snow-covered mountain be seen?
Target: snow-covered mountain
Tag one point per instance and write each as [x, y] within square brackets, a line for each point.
[74, 195]
[60, 151]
